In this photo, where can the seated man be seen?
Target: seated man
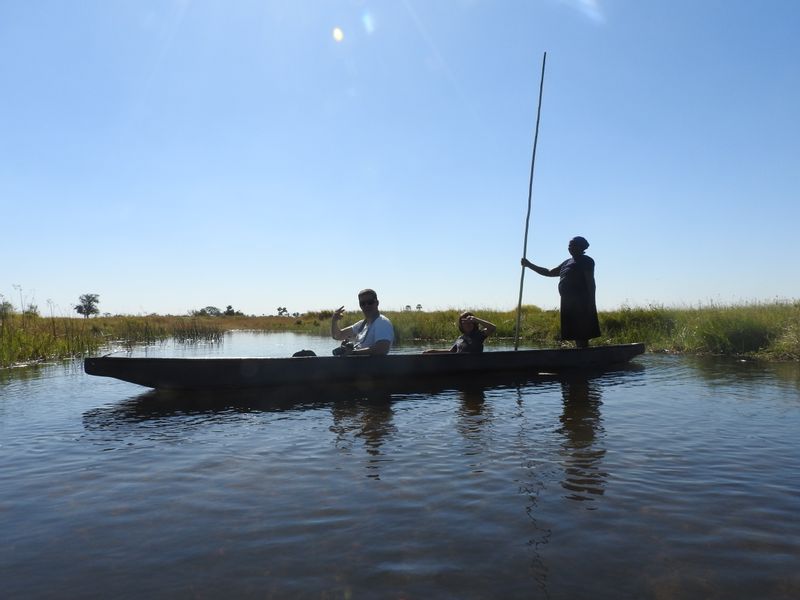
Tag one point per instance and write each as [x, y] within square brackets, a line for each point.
[373, 335]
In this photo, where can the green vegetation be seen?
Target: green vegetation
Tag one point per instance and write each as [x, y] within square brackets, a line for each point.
[758, 330]
[30, 338]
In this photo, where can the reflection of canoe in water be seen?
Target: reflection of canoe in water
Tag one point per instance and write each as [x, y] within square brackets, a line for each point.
[241, 373]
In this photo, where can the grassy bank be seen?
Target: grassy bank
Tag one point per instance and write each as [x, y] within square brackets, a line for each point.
[31, 338]
[759, 330]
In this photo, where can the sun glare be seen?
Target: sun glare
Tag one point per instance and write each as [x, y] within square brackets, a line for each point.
[338, 34]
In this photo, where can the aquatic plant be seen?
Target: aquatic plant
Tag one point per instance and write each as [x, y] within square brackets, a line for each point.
[760, 330]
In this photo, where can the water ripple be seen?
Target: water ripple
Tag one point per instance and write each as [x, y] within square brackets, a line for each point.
[523, 487]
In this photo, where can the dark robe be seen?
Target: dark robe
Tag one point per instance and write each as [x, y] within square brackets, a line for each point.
[578, 307]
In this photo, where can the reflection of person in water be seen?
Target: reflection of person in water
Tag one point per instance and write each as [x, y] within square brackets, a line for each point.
[473, 399]
[582, 429]
[473, 414]
[369, 419]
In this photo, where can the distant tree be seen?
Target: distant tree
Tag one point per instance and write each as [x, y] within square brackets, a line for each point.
[209, 311]
[229, 312]
[88, 305]
[419, 306]
[407, 308]
[32, 310]
[283, 311]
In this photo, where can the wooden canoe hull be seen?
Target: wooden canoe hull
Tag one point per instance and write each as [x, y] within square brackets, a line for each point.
[249, 373]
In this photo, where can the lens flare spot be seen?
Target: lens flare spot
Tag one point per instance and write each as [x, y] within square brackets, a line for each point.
[338, 34]
[369, 24]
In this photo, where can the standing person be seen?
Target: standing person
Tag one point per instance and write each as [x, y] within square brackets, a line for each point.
[372, 335]
[474, 332]
[576, 287]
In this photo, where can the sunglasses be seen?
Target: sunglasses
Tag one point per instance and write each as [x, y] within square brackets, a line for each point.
[367, 302]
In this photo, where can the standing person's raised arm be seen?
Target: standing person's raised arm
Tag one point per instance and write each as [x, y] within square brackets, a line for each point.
[540, 270]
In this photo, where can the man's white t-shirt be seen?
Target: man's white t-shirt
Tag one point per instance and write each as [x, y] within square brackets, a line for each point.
[380, 329]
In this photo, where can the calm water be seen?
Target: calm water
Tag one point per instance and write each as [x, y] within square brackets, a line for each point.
[677, 478]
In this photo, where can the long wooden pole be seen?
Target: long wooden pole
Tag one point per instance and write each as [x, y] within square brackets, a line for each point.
[530, 198]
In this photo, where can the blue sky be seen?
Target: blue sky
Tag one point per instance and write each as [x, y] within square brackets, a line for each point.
[170, 155]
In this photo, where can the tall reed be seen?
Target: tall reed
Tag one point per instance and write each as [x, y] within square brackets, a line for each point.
[35, 338]
[764, 330]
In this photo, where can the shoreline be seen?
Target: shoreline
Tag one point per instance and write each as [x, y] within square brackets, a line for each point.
[758, 331]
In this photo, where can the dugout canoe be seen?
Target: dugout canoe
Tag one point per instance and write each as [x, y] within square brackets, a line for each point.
[250, 373]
